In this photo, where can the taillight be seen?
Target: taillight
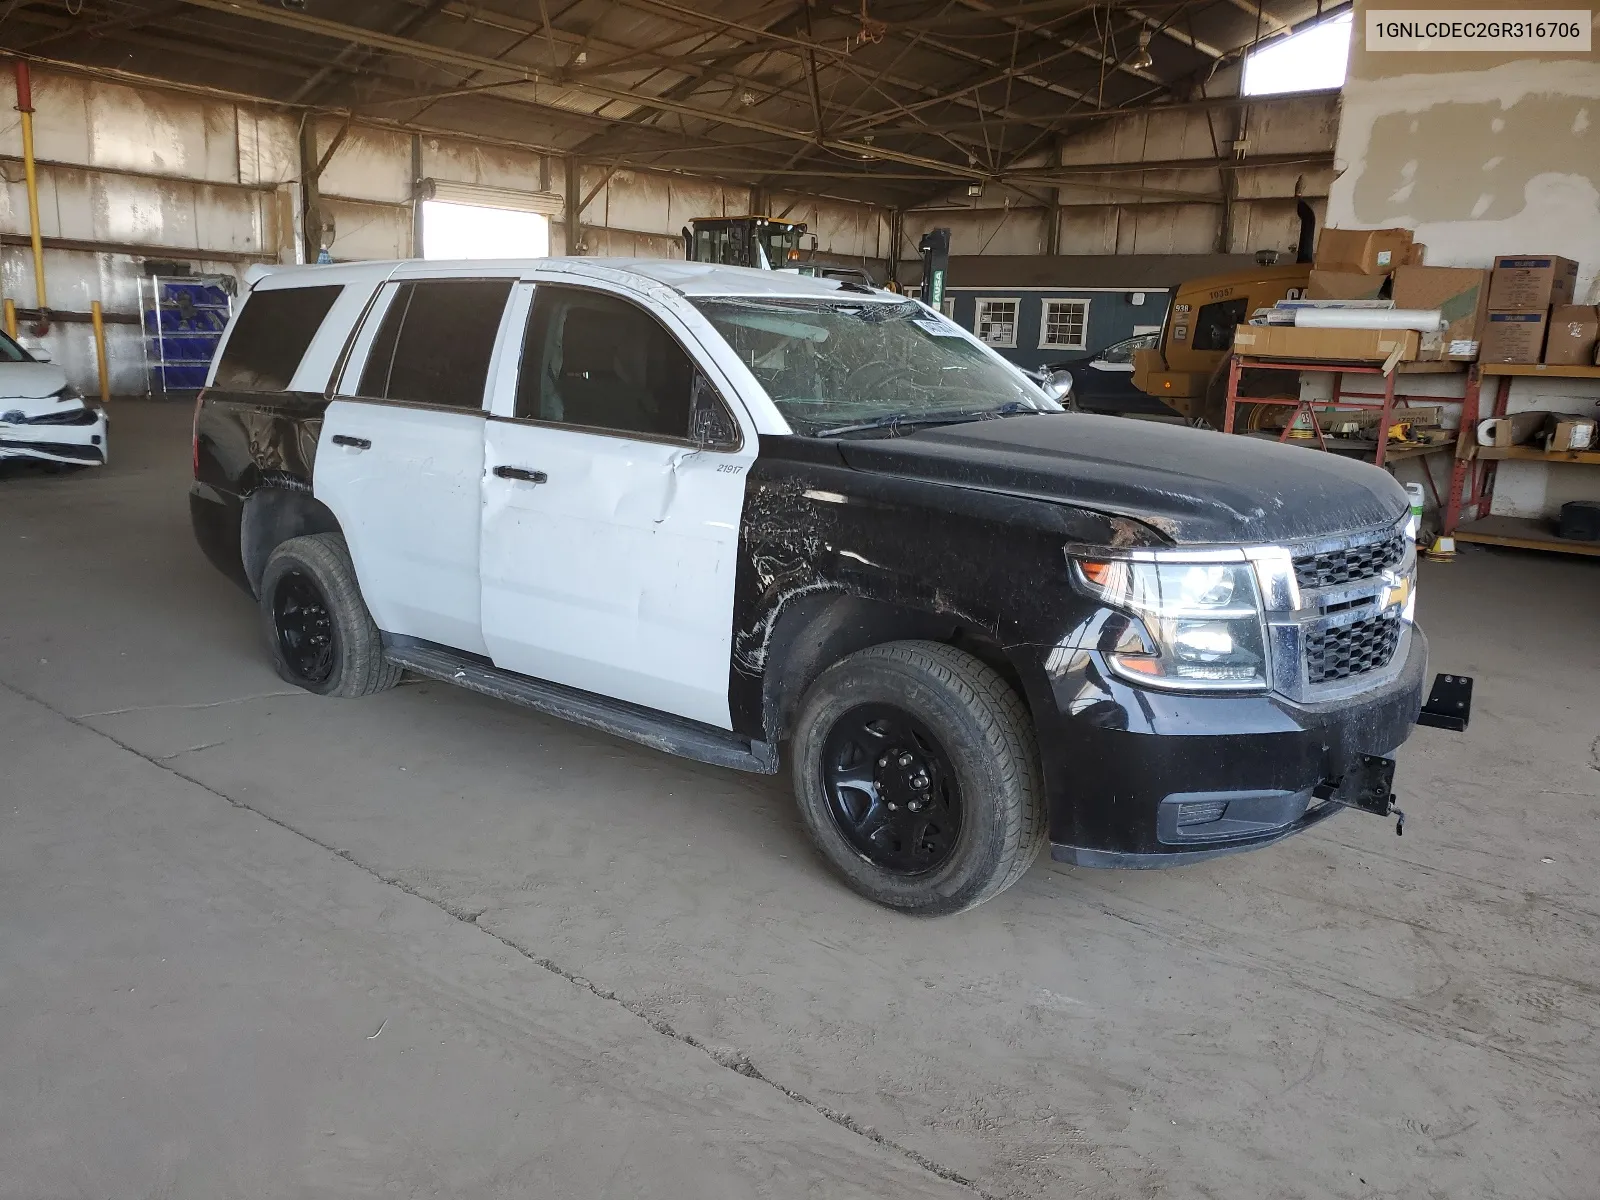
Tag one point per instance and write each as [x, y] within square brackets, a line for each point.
[194, 434]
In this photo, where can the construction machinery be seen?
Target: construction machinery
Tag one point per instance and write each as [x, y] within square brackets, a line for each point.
[768, 243]
[764, 242]
[1187, 367]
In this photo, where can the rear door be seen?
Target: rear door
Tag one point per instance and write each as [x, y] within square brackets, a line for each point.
[613, 487]
[400, 456]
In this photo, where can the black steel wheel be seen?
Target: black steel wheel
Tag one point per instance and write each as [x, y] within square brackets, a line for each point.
[304, 627]
[892, 790]
[320, 634]
[916, 774]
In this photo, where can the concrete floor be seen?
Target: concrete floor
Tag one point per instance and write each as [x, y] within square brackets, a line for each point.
[254, 942]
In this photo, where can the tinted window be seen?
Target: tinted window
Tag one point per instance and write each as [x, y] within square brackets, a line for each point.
[1213, 324]
[435, 342]
[594, 360]
[271, 335]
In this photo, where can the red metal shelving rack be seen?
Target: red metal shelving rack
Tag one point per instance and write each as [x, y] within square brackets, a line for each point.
[1385, 402]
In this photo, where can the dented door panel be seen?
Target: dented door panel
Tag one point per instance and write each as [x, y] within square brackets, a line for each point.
[615, 574]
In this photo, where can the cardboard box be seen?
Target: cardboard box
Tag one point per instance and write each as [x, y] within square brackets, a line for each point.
[1570, 433]
[1513, 337]
[1344, 285]
[1516, 430]
[1458, 292]
[1333, 345]
[1574, 333]
[1362, 251]
[1531, 282]
[1415, 253]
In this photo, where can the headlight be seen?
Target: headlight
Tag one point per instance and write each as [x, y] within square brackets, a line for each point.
[1203, 621]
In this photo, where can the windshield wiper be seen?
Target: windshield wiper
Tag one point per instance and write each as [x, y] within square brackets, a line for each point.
[894, 421]
[902, 421]
[1010, 408]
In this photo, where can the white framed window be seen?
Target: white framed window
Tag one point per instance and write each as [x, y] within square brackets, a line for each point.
[996, 322]
[948, 307]
[1064, 325]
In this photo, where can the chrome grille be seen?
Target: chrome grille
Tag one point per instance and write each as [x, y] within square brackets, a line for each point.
[1350, 563]
[1354, 649]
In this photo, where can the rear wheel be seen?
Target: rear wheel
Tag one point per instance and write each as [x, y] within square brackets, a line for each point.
[318, 629]
[916, 774]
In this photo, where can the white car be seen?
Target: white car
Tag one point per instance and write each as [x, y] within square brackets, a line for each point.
[42, 416]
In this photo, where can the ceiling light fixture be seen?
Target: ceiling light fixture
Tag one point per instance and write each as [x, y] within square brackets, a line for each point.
[1142, 61]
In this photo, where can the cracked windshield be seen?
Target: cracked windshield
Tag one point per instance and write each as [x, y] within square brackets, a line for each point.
[835, 366]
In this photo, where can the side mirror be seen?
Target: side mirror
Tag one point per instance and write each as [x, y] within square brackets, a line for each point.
[711, 425]
[38, 354]
[1056, 384]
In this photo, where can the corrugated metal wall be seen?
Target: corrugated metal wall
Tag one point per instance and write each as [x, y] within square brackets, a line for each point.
[119, 166]
[130, 172]
[1172, 209]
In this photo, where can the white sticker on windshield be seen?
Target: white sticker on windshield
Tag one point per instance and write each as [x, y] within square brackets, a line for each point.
[936, 326]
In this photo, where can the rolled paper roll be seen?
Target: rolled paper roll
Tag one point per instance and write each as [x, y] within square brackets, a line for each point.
[1426, 320]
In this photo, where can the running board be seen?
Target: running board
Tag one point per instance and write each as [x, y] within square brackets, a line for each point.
[659, 731]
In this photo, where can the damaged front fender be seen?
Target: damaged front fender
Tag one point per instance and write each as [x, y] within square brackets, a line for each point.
[833, 560]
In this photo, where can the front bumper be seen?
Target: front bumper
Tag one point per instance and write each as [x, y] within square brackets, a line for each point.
[81, 440]
[1139, 778]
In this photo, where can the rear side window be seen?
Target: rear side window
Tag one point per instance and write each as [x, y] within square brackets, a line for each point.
[435, 342]
[270, 337]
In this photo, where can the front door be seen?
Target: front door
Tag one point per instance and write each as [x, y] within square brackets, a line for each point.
[400, 456]
[613, 487]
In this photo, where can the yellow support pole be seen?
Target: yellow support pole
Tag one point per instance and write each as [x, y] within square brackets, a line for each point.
[25, 107]
[100, 350]
[11, 318]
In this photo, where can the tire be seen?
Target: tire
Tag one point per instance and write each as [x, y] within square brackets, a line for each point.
[319, 632]
[1213, 407]
[982, 817]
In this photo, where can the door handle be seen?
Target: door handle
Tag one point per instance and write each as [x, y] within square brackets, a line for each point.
[344, 439]
[523, 474]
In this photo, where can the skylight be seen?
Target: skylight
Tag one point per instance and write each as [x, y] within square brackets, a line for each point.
[1306, 61]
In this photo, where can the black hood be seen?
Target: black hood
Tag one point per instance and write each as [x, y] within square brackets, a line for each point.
[1192, 485]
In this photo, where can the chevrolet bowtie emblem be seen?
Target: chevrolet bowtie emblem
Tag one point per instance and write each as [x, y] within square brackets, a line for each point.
[1397, 593]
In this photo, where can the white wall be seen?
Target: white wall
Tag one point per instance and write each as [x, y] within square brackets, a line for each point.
[1482, 154]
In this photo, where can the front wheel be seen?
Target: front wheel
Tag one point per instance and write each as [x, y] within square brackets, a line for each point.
[916, 773]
